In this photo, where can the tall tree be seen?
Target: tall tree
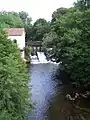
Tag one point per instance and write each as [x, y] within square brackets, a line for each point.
[14, 102]
[82, 4]
[25, 18]
[40, 27]
[72, 44]
[58, 13]
[27, 23]
[10, 19]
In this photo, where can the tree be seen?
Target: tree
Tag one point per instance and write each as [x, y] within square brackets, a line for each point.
[49, 43]
[82, 4]
[71, 45]
[14, 102]
[58, 13]
[10, 19]
[40, 27]
[27, 23]
[25, 18]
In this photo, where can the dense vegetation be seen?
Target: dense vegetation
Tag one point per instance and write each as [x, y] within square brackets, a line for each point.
[27, 53]
[14, 102]
[16, 20]
[40, 27]
[33, 32]
[69, 39]
[10, 19]
[13, 81]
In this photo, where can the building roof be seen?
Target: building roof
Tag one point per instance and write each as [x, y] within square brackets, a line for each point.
[14, 31]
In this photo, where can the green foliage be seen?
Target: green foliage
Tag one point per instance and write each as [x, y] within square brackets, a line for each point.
[27, 53]
[49, 38]
[40, 27]
[58, 13]
[14, 101]
[82, 4]
[16, 20]
[27, 23]
[28, 29]
[49, 41]
[10, 19]
[25, 18]
[23, 15]
[71, 44]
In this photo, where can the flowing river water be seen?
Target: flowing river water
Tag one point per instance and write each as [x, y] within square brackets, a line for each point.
[48, 95]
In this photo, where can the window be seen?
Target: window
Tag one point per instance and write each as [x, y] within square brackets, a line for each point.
[15, 41]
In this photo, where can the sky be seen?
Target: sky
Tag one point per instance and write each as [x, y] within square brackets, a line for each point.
[35, 8]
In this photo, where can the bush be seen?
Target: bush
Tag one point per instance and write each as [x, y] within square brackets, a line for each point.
[69, 39]
[13, 82]
[27, 53]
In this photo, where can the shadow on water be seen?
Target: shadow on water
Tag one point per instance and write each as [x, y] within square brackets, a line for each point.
[48, 94]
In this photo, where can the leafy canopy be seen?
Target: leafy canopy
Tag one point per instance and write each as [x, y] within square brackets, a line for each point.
[13, 81]
[72, 42]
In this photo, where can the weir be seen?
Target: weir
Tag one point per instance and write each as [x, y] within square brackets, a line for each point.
[40, 58]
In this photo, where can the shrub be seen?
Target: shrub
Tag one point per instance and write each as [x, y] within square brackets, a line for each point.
[27, 53]
[13, 82]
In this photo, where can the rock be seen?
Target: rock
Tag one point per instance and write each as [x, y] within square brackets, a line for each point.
[76, 95]
[68, 97]
[84, 96]
[88, 93]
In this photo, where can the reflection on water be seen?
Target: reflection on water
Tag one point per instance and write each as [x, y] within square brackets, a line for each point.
[48, 94]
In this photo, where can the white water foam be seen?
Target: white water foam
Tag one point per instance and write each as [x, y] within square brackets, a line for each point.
[40, 59]
[34, 59]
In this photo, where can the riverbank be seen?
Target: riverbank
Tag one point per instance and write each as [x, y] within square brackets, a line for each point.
[78, 97]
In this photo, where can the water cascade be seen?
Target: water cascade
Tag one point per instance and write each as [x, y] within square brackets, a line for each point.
[34, 59]
[40, 58]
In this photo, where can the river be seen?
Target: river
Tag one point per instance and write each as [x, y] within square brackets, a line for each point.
[48, 95]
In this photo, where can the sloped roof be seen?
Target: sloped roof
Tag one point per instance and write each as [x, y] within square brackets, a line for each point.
[14, 31]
